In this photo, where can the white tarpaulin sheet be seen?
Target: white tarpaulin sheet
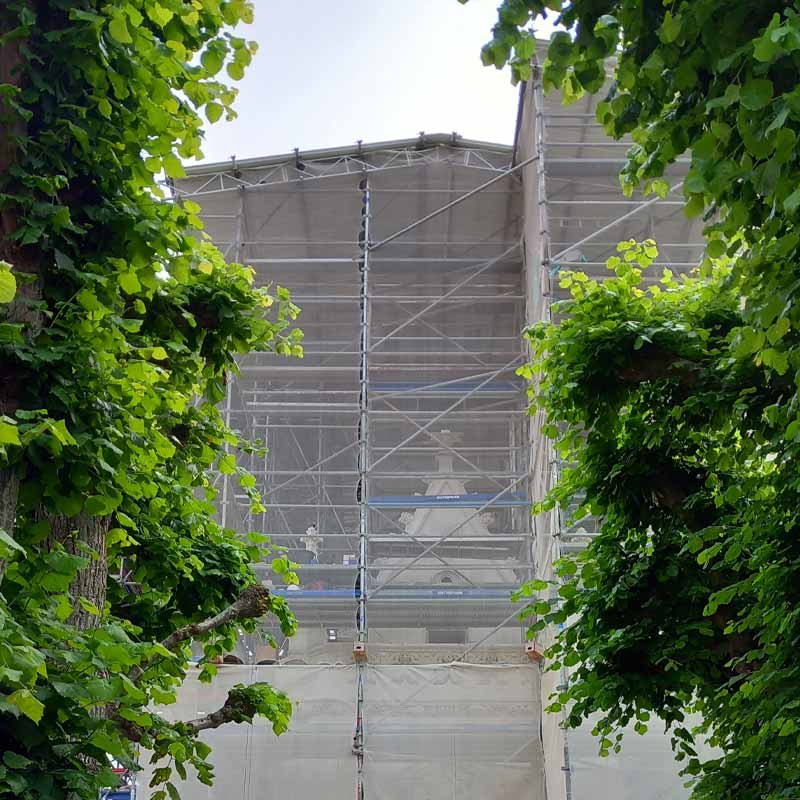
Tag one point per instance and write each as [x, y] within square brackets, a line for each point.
[447, 731]
[314, 759]
[462, 731]
[645, 769]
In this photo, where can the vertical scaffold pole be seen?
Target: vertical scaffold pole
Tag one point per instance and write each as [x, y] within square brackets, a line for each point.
[363, 467]
[227, 494]
[544, 223]
[547, 283]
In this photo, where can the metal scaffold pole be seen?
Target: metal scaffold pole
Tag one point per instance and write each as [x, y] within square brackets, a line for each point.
[363, 466]
[546, 286]
[227, 494]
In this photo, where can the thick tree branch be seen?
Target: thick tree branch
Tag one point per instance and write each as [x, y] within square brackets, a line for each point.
[238, 708]
[253, 602]
[671, 490]
[653, 363]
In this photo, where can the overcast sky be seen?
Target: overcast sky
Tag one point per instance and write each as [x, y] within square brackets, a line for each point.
[330, 73]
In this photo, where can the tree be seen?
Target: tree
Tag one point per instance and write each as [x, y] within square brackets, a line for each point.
[678, 405]
[119, 325]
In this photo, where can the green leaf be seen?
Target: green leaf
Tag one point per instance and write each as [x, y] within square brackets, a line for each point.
[214, 111]
[756, 93]
[69, 505]
[661, 187]
[8, 546]
[566, 567]
[777, 331]
[89, 607]
[729, 97]
[129, 282]
[213, 58]
[125, 520]
[716, 248]
[15, 760]
[235, 70]
[88, 299]
[670, 28]
[63, 607]
[226, 464]
[247, 481]
[280, 565]
[696, 205]
[571, 659]
[107, 743]
[8, 283]
[133, 15]
[161, 697]
[733, 493]
[173, 792]
[9, 434]
[104, 107]
[203, 750]
[792, 202]
[172, 166]
[118, 28]
[695, 183]
[100, 505]
[160, 15]
[59, 429]
[27, 703]
[750, 341]
[777, 359]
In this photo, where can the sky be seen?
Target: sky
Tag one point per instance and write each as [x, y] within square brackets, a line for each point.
[330, 73]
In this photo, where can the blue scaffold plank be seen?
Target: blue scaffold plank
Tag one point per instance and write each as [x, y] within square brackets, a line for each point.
[472, 500]
[493, 387]
[410, 594]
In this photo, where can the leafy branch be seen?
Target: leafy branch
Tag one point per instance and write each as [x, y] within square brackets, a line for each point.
[120, 328]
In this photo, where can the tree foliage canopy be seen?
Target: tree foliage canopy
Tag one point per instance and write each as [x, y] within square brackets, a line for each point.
[118, 326]
[677, 405]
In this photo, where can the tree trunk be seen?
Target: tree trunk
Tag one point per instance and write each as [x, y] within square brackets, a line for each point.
[85, 536]
[9, 489]
[24, 309]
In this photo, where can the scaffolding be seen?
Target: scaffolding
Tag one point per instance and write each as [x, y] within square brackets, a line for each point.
[575, 214]
[401, 461]
[405, 258]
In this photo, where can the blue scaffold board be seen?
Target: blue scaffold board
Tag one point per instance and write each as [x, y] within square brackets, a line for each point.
[412, 594]
[473, 500]
[456, 388]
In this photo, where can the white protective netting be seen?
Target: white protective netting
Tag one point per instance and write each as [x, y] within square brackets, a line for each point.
[435, 732]
[313, 760]
[461, 731]
[645, 769]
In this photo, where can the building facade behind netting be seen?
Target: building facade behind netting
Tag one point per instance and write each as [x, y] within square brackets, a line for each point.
[401, 463]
